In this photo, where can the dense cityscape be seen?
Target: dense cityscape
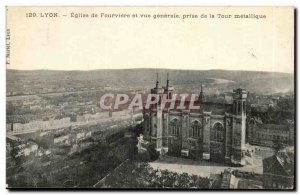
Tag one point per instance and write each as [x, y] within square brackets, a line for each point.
[58, 136]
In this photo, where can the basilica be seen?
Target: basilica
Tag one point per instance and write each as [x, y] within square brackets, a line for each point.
[215, 131]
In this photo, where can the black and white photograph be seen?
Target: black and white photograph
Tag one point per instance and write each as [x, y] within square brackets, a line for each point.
[150, 97]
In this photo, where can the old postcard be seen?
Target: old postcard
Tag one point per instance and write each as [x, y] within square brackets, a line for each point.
[150, 98]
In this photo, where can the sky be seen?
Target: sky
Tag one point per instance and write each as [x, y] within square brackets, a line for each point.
[66, 43]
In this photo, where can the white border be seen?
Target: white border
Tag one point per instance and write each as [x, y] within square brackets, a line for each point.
[3, 3]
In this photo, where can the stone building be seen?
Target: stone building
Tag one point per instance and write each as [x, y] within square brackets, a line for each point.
[269, 134]
[215, 131]
[278, 171]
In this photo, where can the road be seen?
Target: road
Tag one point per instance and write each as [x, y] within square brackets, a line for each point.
[199, 167]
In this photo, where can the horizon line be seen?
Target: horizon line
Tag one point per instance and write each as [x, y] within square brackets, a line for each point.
[148, 68]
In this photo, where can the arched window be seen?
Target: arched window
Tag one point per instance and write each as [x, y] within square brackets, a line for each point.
[239, 107]
[196, 129]
[217, 133]
[147, 122]
[174, 127]
[244, 106]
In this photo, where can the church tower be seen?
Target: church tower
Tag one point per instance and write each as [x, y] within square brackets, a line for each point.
[168, 89]
[238, 126]
[156, 117]
[201, 95]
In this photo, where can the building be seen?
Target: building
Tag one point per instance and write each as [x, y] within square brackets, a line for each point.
[228, 180]
[278, 171]
[214, 132]
[269, 134]
[39, 124]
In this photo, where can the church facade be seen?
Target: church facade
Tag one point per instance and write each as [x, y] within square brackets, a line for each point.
[214, 132]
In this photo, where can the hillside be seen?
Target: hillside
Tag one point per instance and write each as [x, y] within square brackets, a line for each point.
[260, 82]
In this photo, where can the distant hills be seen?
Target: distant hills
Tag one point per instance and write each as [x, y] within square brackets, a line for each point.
[260, 82]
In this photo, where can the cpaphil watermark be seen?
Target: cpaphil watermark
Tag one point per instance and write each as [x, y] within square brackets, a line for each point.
[141, 101]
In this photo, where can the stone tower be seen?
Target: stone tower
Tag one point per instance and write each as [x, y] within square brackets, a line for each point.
[238, 126]
[168, 89]
[201, 95]
[156, 117]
